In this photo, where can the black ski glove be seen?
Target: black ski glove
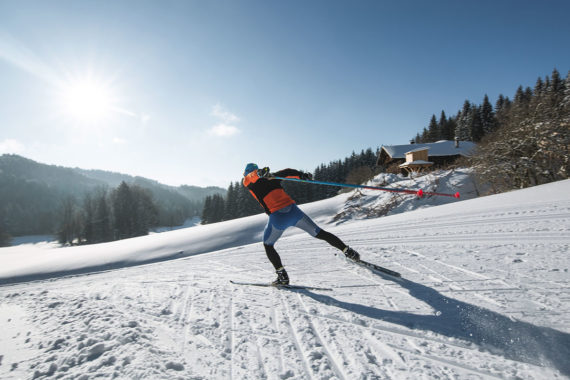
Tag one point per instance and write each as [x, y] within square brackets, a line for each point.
[306, 176]
[263, 172]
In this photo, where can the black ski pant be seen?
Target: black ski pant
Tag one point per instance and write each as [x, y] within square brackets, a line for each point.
[333, 240]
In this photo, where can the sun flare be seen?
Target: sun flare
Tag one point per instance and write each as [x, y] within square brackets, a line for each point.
[87, 100]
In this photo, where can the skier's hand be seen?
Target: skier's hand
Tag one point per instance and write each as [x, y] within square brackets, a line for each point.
[306, 176]
[263, 172]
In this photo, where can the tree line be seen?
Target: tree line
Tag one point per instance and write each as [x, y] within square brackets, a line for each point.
[103, 216]
[521, 142]
[471, 123]
[530, 144]
[238, 202]
[31, 195]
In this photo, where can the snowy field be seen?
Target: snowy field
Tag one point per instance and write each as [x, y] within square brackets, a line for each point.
[485, 294]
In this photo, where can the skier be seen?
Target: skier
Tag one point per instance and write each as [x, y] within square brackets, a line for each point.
[284, 213]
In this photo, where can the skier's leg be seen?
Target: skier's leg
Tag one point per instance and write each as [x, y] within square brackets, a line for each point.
[307, 224]
[270, 236]
[304, 222]
[331, 239]
[337, 243]
[311, 227]
[273, 256]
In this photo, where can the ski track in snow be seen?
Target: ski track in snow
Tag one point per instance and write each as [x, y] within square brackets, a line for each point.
[484, 295]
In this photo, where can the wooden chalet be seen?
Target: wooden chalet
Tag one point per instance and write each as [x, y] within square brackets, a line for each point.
[416, 157]
[416, 160]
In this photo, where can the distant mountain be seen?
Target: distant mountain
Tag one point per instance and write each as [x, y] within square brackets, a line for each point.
[112, 179]
[31, 194]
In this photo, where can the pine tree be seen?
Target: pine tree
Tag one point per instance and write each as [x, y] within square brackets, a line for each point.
[218, 207]
[444, 127]
[530, 146]
[476, 124]
[539, 87]
[502, 108]
[433, 132]
[566, 99]
[70, 228]
[487, 116]
[418, 138]
[464, 122]
[556, 88]
[124, 208]
[424, 136]
[134, 211]
[88, 219]
[102, 226]
[146, 212]
[230, 210]
[207, 211]
[5, 238]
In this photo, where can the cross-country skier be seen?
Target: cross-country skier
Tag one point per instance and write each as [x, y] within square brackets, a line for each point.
[284, 213]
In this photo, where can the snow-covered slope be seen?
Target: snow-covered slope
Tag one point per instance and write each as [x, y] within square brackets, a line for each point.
[484, 294]
[34, 262]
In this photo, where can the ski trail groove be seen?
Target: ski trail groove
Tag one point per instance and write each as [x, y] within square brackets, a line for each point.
[231, 337]
[461, 366]
[258, 350]
[336, 368]
[479, 276]
[296, 341]
[398, 332]
[466, 271]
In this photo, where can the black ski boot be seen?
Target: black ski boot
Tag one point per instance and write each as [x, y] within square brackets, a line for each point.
[282, 277]
[351, 254]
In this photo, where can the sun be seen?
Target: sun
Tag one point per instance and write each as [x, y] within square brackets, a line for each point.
[87, 100]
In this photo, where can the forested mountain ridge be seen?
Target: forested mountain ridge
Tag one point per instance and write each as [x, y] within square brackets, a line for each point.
[32, 193]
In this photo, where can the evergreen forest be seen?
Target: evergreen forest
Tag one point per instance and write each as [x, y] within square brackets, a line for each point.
[36, 199]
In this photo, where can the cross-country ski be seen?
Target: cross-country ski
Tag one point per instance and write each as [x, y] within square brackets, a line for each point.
[377, 268]
[278, 286]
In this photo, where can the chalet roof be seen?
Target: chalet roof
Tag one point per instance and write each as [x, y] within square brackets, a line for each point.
[440, 148]
[418, 149]
[416, 162]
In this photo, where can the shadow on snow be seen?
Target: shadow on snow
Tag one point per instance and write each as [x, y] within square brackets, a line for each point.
[515, 340]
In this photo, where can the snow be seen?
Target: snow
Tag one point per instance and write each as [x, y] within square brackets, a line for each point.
[416, 162]
[484, 295]
[33, 239]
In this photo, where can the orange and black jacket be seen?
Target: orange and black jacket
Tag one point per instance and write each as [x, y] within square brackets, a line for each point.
[268, 191]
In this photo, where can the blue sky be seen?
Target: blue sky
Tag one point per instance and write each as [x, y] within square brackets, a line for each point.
[188, 92]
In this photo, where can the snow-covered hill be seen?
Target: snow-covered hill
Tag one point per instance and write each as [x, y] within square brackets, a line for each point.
[40, 261]
[484, 294]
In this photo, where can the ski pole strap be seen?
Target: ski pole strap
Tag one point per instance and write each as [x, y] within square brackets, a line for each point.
[420, 193]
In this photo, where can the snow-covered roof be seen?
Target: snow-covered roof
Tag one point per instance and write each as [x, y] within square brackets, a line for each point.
[418, 149]
[440, 148]
[416, 162]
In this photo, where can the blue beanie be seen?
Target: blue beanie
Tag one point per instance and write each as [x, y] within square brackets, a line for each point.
[249, 168]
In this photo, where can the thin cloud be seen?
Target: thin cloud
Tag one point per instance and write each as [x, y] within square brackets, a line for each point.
[224, 130]
[224, 115]
[225, 127]
[11, 146]
[145, 118]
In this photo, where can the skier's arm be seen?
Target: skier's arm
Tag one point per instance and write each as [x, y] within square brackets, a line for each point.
[292, 173]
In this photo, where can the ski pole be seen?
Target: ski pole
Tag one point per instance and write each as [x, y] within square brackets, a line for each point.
[420, 193]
